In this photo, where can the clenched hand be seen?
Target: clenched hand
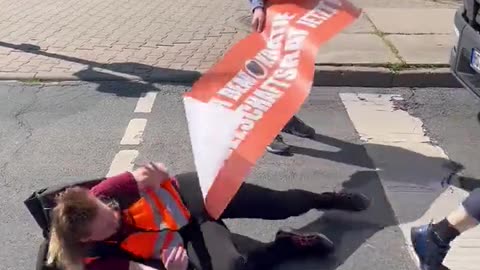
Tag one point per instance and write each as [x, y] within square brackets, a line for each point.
[176, 259]
[151, 176]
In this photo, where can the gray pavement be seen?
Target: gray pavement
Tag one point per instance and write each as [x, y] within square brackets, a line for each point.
[56, 132]
[171, 40]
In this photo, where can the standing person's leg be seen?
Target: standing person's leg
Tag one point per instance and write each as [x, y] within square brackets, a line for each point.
[295, 127]
[252, 201]
[432, 242]
[298, 128]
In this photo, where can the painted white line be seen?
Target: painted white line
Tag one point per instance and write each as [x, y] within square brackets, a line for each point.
[134, 132]
[123, 161]
[145, 103]
[378, 122]
[137, 79]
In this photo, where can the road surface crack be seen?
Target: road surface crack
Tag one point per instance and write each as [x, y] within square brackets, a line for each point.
[23, 125]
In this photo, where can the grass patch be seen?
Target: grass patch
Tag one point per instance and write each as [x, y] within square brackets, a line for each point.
[393, 49]
[32, 81]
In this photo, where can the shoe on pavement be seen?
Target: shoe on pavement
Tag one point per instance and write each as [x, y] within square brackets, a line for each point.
[348, 201]
[301, 243]
[278, 146]
[298, 128]
[430, 249]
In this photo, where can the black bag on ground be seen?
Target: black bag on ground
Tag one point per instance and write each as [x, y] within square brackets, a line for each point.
[40, 204]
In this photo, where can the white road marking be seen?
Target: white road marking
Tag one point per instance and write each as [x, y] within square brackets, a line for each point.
[123, 161]
[145, 103]
[135, 78]
[379, 123]
[134, 132]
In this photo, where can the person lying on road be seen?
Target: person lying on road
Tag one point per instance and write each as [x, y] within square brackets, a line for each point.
[150, 216]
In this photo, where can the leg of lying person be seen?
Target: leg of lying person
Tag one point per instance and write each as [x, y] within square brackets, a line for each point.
[227, 251]
[215, 248]
[210, 247]
[252, 201]
[286, 246]
[209, 244]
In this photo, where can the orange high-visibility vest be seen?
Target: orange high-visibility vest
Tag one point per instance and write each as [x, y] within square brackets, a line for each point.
[159, 215]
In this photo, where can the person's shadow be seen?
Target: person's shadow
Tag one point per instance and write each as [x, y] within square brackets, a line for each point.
[411, 179]
[126, 79]
[400, 172]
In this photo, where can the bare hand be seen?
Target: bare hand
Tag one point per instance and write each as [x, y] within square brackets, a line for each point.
[258, 19]
[176, 259]
[151, 176]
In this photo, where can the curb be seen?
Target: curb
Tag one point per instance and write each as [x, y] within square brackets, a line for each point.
[358, 76]
[346, 76]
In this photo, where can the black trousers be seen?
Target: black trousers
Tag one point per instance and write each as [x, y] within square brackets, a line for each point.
[472, 204]
[211, 246]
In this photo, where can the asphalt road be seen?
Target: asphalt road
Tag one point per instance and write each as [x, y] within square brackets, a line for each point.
[57, 133]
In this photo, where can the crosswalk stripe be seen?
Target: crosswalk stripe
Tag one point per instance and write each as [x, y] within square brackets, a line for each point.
[145, 103]
[134, 132]
[378, 121]
[123, 161]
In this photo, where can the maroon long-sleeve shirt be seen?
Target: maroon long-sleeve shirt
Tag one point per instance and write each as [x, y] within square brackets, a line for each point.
[123, 188]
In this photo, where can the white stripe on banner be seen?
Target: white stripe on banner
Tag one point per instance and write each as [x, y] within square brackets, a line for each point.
[212, 128]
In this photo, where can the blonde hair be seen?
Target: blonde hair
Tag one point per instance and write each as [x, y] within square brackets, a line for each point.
[71, 218]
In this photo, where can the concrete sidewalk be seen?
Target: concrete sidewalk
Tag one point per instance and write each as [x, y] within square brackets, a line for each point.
[177, 40]
[398, 46]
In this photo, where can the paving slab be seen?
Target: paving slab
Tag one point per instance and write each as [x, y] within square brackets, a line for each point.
[355, 49]
[361, 25]
[423, 49]
[412, 20]
[407, 3]
[178, 40]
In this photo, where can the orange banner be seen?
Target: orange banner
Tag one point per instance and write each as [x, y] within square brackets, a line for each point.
[236, 109]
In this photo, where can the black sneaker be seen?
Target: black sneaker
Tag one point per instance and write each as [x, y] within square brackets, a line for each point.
[298, 128]
[278, 146]
[429, 248]
[300, 243]
[348, 201]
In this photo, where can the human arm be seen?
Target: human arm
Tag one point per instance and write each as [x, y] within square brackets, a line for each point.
[128, 184]
[256, 4]
[151, 176]
[119, 186]
[259, 16]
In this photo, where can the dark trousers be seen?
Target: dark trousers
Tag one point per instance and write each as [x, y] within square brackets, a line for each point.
[211, 246]
[472, 204]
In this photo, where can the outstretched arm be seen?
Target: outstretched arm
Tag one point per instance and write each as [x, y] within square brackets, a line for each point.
[258, 17]
[256, 4]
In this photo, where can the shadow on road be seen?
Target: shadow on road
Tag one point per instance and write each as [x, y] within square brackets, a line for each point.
[135, 78]
[401, 171]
